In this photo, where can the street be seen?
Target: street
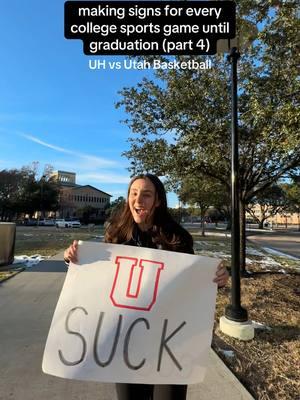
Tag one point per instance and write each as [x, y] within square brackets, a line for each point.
[287, 242]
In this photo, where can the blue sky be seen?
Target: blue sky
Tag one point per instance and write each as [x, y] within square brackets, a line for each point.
[53, 108]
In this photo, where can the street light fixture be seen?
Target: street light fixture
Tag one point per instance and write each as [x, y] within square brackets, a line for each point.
[235, 322]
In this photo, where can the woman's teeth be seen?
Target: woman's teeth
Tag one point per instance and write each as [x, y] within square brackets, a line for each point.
[140, 211]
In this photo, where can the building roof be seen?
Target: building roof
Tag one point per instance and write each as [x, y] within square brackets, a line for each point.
[66, 184]
[63, 172]
[91, 187]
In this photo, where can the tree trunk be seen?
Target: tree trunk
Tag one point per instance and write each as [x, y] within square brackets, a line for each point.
[261, 224]
[228, 225]
[202, 222]
[242, 236]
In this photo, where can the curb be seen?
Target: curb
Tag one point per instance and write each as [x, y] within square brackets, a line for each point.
[12, 275]
[245, 395]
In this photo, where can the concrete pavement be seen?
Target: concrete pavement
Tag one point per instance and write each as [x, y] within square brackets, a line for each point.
[287, 242]
[27, 303]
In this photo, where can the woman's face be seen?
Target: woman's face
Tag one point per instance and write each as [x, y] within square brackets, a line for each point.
[142, 201]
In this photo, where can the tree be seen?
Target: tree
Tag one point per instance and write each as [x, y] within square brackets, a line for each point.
[202, 192]
[271, 201]
[115, 206]
[22, 192]
[293, 199]
[11, 188]
[39, 195]
[179, 214]
[88, 213]
[181, 121]
[48, 192]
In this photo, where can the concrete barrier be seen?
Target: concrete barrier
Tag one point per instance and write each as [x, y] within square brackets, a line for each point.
[7, 242]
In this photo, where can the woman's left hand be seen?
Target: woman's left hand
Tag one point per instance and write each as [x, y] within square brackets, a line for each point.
[222, 275]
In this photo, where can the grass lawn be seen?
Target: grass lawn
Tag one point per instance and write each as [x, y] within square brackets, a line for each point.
[268, 366]
[49, 241]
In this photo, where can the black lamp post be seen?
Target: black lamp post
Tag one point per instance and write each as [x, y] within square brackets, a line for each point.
[235, 311]
[42, 196]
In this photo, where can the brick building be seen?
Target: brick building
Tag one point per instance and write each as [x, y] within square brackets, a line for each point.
[282, 218]
[79, 201]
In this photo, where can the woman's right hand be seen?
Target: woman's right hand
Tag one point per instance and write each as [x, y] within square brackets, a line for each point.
[70, 254]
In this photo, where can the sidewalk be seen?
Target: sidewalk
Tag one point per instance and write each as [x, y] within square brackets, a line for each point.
[27, 303]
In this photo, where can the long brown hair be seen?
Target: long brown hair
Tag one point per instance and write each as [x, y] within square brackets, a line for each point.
[166, 232]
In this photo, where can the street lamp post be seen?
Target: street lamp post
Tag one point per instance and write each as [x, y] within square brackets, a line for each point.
[235, 311]
[235, 322]
[42, 196]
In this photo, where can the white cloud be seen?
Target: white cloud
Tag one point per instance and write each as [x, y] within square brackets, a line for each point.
[93, 161]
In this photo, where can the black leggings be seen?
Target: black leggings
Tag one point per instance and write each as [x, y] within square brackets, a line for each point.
[130, 391]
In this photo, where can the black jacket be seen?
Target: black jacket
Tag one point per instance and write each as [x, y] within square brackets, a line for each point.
[144, 239]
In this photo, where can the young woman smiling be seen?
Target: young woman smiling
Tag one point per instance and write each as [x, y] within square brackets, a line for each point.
[146, 222]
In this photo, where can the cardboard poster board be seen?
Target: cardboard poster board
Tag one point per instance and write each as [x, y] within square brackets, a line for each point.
[135, 315]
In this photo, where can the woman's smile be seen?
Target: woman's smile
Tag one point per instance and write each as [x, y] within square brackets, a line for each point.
[142, 202]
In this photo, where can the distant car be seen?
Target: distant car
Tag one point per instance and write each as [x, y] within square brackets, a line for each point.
[61, 223]
[46, 222]
[64, 223]
[74, 224]
[30, 222]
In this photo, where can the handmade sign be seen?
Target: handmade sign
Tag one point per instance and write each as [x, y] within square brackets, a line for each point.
[132, 314]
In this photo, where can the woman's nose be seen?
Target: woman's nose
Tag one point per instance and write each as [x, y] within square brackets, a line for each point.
[139, 198]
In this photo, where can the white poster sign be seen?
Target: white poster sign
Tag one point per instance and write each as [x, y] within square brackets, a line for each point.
[135, 315]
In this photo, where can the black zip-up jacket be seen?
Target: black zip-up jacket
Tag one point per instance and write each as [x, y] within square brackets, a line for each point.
[144, 239]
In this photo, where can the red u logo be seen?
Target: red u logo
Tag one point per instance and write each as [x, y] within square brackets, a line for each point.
[135, 284]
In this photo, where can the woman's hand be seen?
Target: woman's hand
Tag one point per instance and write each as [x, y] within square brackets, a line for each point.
[222, 275]
[70, 254]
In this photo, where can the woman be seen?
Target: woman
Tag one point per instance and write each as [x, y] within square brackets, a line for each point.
[145, 221]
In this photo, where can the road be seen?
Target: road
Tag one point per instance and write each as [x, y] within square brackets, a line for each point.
[287, 242]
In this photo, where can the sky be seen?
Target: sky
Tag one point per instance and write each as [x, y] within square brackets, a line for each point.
[53, 108]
